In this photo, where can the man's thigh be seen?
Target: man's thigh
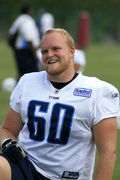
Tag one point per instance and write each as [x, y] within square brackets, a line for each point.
[5, 169]
[23, 170]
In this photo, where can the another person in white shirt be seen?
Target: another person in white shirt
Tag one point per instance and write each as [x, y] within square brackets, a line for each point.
[24, 39]
[45, 22]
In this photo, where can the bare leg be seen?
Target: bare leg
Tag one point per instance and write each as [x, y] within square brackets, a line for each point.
[5, 169]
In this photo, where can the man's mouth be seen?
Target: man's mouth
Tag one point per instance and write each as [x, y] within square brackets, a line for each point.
[51, 61]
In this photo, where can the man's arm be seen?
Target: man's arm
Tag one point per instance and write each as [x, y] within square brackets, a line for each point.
[105, 134]
[11, 126]
[34, 50]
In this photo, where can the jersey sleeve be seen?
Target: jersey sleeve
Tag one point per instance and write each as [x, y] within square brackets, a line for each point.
[15, 26]
[15, 97]
[106, 103]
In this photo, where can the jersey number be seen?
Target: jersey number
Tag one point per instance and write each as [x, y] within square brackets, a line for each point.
[60, 122]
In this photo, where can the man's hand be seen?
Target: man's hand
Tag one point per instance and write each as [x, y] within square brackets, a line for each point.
[13, 150]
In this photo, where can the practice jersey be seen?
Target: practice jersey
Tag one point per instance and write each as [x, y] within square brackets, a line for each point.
[58, 123]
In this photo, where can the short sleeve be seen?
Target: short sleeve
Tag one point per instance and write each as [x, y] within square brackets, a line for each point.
[106, 104]
[15, 97]
[16, 24]
[14, 27]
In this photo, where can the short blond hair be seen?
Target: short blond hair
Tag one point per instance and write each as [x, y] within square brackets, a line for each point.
[64, 33]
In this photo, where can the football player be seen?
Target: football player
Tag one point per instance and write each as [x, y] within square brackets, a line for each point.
[60, 117]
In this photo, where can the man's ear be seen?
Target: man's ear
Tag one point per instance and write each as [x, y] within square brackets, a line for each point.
[72, 51]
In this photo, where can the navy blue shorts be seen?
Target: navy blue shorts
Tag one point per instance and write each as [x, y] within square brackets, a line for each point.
[24, 170]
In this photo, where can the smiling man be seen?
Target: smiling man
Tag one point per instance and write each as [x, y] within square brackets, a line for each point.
[60, 117]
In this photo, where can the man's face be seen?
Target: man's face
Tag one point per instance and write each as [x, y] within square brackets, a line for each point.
[56, 55]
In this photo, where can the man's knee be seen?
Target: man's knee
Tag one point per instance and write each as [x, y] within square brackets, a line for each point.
[5, 169]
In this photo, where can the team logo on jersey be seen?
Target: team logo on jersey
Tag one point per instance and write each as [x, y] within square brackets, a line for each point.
[84, 92]
[70, 175]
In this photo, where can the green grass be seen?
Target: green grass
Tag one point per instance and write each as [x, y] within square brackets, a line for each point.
[103, 61]
[7, 69]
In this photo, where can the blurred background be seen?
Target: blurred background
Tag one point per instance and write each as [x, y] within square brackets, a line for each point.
[104, 16]
[95, 27]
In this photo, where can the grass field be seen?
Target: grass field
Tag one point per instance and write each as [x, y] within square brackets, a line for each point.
[103, 61]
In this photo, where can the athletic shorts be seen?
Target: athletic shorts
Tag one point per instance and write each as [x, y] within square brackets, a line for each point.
[24, 170]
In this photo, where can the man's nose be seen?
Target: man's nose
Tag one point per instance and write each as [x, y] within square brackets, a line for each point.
[50, 53]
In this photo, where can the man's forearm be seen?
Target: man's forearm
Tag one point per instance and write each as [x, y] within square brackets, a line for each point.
[104, 167]
[5, 134]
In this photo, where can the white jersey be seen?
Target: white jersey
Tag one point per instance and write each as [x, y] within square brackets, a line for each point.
[58, 124]
[27, 31]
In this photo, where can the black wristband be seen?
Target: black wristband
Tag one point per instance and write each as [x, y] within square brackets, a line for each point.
[6, 141]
